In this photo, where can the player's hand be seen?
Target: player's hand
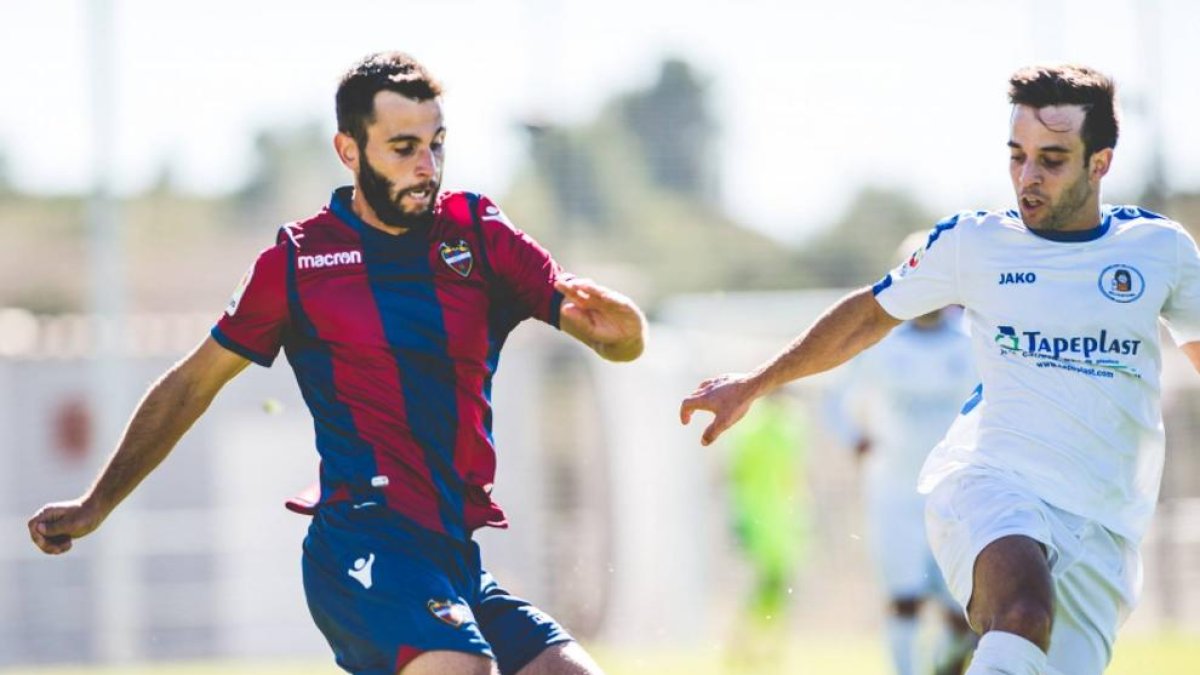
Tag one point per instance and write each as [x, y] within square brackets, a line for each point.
[54, 526]
[603, 319]
[727, 397]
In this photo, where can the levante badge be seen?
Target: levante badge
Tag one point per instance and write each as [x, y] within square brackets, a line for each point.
[458, 256]
[450, 612]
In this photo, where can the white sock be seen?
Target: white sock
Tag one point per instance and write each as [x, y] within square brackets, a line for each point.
[902, 641]
[1001, 653]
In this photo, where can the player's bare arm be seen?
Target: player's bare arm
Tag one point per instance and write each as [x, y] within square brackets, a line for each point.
[608, 322]
[854, 323]
[166, 412]
[1192, 351]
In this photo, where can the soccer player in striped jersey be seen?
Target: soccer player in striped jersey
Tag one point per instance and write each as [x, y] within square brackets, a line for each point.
[1044, 486]
[392, 304]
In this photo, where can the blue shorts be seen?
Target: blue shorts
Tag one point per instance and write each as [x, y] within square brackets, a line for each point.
[384, 591]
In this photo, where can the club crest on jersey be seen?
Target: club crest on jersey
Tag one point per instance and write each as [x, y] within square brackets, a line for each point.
[458, 256]
[449, 612]
[1122, 283]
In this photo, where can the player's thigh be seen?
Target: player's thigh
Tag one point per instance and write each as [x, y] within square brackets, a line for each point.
[567, 658]
[450, 663]
[518, 632]
[967, 513]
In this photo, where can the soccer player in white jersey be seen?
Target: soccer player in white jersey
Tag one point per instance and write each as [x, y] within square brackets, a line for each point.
[1043, 488]
[895, 404]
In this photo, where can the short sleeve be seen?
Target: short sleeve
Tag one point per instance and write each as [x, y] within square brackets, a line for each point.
[253, 322]
[1181, 311]
[928, 279]
[522, 265]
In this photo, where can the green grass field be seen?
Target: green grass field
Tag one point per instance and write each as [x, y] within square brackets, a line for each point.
[1136, 655]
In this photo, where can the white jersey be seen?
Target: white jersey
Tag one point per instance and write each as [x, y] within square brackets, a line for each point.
[1066, 342]
[902, 394]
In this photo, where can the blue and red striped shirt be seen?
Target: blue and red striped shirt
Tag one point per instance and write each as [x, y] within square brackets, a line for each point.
[394, 340]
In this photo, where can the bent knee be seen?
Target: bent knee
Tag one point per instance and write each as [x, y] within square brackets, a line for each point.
[1031, 618]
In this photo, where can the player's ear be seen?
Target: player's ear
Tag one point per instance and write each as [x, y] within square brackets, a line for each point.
[347, 150]
[1099, 164]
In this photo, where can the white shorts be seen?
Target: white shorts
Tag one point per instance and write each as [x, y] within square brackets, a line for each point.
[1097, 574]
[899, 547]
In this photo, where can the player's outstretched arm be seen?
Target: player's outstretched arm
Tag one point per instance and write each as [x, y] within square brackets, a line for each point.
[854, 323]
[168, 410]
[1192, 351]
[608, 322]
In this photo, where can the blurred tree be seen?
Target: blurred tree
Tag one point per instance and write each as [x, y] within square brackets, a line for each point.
[633, 193]
[861, 245]
[292, 167]
[676, 131]
[563, 161]
[6, 187]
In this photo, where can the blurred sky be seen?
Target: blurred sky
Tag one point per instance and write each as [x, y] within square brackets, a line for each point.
[814, 99]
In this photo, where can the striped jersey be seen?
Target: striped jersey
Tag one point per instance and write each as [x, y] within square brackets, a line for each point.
[394, 340]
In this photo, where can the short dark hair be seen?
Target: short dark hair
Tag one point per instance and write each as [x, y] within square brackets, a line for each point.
[1071, 84]
[382, 71]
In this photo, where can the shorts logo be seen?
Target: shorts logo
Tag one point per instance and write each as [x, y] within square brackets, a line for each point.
[1122, 283]
[361, 571]
[451, 613]
[458, 256]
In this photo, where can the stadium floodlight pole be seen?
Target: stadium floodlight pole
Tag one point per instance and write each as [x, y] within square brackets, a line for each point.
[117, 603]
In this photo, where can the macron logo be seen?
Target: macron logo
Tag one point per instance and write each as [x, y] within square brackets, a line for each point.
[328, 259]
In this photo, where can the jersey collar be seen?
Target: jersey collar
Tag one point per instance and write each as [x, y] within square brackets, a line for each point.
[1091, 234]
[339, 205]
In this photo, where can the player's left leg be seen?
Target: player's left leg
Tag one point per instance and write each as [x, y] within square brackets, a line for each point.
[526, 640]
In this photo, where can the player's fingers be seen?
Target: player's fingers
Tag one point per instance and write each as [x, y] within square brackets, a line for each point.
[714, 430]
[47, 542]
[52, 521]
[575, 289]
[692, 403]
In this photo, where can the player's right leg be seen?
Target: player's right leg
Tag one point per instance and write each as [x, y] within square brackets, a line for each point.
[1013, 590]
[992, 540]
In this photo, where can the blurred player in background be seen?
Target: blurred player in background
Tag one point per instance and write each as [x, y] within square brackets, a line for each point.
[768, 494]
[392, 304]
[1043, 488]
[899, 398]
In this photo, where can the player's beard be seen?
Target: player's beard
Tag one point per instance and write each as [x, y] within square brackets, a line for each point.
[378, 191]
[1074, 198]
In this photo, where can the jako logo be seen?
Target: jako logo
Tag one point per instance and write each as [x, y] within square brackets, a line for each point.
[329, 259]
[1017, 278]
